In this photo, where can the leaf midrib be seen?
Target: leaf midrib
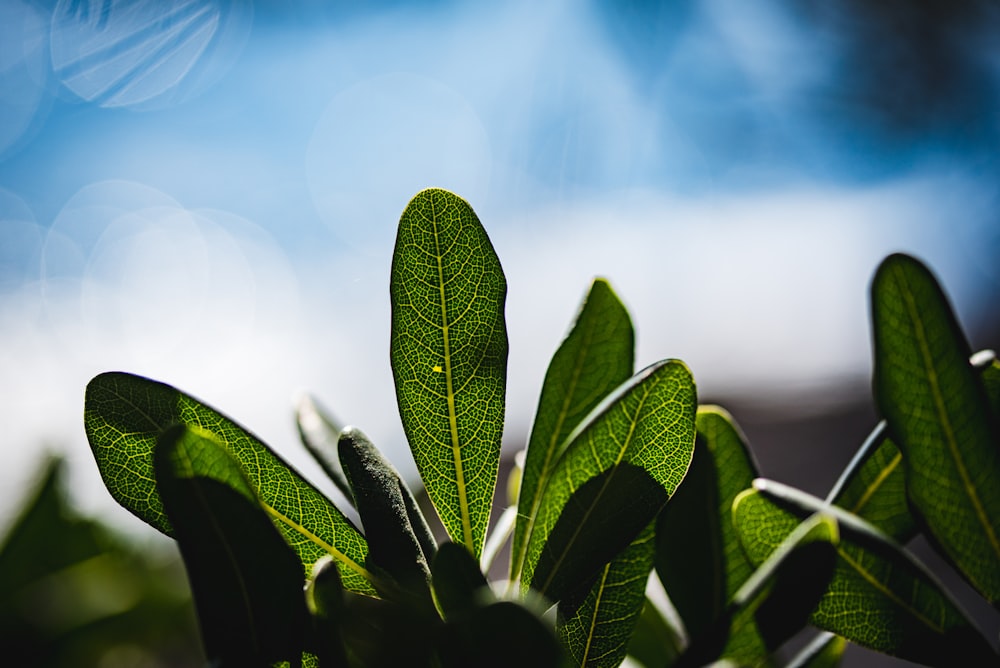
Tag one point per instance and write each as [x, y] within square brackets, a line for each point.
[319, 542]
[888, 593]
[876, 484]
[939, 406]
[463, 499]
[595, 615]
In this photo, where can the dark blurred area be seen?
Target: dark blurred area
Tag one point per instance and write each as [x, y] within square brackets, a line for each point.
[75, 594]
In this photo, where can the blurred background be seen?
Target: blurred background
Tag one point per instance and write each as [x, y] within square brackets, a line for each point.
[206, 192]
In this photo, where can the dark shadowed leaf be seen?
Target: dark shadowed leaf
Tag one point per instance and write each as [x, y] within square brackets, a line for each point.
[392, 520]
[500, 635]
[698, 555]
[655, 642]
[325, 599]
[246, 581]
[774, 602]
[459, 585]
[448, 352]
[938, 414]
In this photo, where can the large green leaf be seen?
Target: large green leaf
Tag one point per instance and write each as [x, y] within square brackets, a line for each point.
[459, 586]
[124, 415]
[655, 642]
[775, 601]
[880, 597]
[395, 529]
[938, 414]
[449, 357]
[595, 358]
[246, 581]
[623, 463]
[698, 555]
[596, 630]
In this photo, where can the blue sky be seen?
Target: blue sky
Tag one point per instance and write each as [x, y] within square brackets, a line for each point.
[205, 192]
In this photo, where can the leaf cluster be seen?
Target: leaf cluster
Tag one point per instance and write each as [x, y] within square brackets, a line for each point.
[624, 475]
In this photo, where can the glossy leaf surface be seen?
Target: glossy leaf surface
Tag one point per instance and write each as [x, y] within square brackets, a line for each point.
[938, 414]
[622, 465]
[124, 415]
[698, 555]
[246, 581]
[448, 352]
[594, 359]
[880, 597]
[596, 630]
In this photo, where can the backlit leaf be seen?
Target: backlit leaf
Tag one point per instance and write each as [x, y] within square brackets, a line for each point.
[880, 597]
[824, 651]
[595, 358]
[124, 415]
[938, 414]
[623, 463]
[448, 352]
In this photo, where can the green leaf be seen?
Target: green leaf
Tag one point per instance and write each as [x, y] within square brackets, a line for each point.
[319, 433]
[246, 581]
[124, 415]
[459, 585]
[698, 555]
[824, 651]
[448, 352]
[939, 416]
[325, 600]
[880, 597]
[595, 358]
[775, 601]
[655, 642]
[394, 526]
[500, 635]
[873, 487]
[596, 630]
[622, 465]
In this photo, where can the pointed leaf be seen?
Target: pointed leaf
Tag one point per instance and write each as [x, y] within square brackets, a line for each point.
[698, 555]
[459, 585]
[124, 415]
[449, 357]
[775, 601]
[622, 465]
[596, 630]
[319, 433]
[880, 597]
[595, 358]
[938, 414]
[824, 651]
[391, 519]
[246, 581]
